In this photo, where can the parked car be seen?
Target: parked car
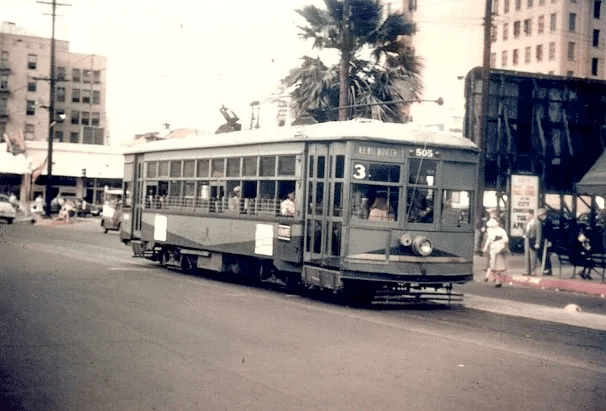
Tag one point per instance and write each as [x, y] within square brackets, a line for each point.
[7, 211]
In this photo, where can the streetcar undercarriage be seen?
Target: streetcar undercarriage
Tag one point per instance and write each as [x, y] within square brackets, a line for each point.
[354, 288]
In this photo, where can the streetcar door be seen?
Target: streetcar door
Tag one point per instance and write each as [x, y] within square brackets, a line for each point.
[137, 196]
[316, 203]
[323, 206]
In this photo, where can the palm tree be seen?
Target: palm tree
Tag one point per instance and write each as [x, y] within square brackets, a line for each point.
[391, 71]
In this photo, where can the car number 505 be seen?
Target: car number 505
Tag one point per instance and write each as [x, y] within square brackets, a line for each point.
[424, 152]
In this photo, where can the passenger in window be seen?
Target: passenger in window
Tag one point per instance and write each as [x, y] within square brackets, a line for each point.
[233, 204]
[421, 209]
[380, 210]
[287, 207]
[359, 207]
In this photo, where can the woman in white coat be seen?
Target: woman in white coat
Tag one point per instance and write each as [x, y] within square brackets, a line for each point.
[497, 245]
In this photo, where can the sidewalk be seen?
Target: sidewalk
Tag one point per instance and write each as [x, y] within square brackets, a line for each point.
[557, 281]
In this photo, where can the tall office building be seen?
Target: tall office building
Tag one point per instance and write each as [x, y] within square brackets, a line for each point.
[560, 37]
[80, 90]
[83, 161]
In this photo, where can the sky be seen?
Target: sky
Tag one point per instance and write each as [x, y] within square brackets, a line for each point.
[176, 61]
[179, 61]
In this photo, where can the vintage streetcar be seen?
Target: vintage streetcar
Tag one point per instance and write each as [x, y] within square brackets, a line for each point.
[359, 208]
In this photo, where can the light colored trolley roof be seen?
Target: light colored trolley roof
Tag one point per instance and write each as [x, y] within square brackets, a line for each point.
[361, 130]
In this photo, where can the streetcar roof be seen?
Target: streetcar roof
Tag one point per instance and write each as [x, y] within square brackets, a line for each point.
[362, 130]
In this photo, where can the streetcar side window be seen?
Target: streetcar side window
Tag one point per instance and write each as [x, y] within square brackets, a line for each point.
[152, 169]
[456, 207]
[211, 185]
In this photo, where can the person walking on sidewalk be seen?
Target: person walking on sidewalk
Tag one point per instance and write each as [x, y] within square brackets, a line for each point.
[497, 245]
[533, 240]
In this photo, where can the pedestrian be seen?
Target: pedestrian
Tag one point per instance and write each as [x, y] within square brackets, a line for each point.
[533, 239]
[492, 221]
[497, 246]
[545, 246]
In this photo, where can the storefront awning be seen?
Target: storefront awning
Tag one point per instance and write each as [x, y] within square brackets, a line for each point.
[594, 181]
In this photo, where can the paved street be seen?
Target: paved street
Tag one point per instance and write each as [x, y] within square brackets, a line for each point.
[86, 326]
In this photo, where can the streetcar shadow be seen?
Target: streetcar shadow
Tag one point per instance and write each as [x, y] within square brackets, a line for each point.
[319, 295]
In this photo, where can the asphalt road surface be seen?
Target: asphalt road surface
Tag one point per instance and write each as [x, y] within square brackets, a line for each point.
[87, 327]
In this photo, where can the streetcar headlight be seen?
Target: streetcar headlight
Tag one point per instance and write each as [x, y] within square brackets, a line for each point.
[422, 246]
[406, 239]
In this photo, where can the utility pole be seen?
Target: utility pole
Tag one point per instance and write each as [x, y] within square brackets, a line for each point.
[345, 59]
[481, 143]
[51, 110]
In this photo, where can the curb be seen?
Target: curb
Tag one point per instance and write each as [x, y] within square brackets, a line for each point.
[558, 284]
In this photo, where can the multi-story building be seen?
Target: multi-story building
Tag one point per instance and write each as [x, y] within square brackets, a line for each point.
[560, 37]
[80, 137]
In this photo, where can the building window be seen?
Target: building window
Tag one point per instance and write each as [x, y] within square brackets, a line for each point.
[493, 59]
[504, 59]
[527, 55]
[59, 136]
[570, 51]
[86, 96]
[570, 73]
[96, 97]
[493, 33]
[4, 60]
[29, 132]
[60, 73]
[597, 5]
[541, 2]
[76, 75]
[572, 22]
[3, 81]
[594, 66]
[528, 27]
[74, 137]
[85, 121]
[552, 22]
[541, 24]
[76, 95]
[516, 29]
[540, 52]
[58, 113]
[505, 31]
[95, 119]
[75, 117]
[516, 57]
[552, 51]
[495, 7]
[505, 6]
[518, 4]
[31, 86]
[30, 108]
[529, 4]
[60, 95]
[32, 61]
[596, 38]
[97, 76]
[86, 76]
